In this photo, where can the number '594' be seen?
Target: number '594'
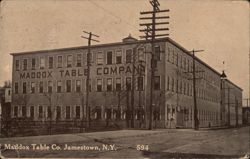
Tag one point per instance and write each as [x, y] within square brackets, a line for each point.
[142, 147]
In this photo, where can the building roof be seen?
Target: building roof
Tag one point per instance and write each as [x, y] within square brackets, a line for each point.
[233, 84]
[126, 41]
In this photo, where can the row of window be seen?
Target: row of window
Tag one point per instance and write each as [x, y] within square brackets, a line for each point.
[115, 84]
[111, 58]
[186, 88]
[41, 112]
[110, 84]
[186, 64]
[203, 115]
[176, 59]
[46, 112]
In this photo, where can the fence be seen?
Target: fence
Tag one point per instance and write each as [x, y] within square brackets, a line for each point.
[26, 127]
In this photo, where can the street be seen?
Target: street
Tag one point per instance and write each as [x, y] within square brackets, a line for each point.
[162, 143]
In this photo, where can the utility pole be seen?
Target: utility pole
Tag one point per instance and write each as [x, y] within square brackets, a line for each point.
[150, 32]
[196, 120]
[247, 101]
[89, 38]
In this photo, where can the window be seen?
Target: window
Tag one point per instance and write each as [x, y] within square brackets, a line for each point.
[177, 86]
[184, 91]
[157, 53]
[89, 85]
[59, 61]
[98, 113]
[129, 56]
[32, 112]
[119, 57]
[68, 86]
[108, 113]
[180, 63]
[78, 60]
[128, 83]
[77, 112]
[168, 54]
[23, 111]
[99, 85]
[118, 84]
[16, 87]
[191, 90]
[188, 66]
[168, 81]
[78, 85]
[140, 83]
[185, 64]
[41, 87]
[90, 55]
[59, 86]
[109, 84]
[15, 111]
[49, 112]
[173, 56]
[58, 112]
[109, 57]
[172, 84]
[181, 87]
[67, 112]
[24, 87]
[177, 59]
[191, 66]
[33, 64]
[157, 82]
[50, 86]
[25, 64]
[17, 65]
[99, 58]
[69, 60]
[51, 62]
[141, 56]
[156, 114]
[40, 112]
[42, 63]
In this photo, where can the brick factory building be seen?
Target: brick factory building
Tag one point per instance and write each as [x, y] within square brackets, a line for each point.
[51, 85]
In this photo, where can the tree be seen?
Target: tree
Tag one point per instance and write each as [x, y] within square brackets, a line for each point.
[7, 83]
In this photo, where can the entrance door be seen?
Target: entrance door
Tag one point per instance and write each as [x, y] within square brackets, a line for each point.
[180, 118]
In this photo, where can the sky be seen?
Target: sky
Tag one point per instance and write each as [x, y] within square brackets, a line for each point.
[220, 27]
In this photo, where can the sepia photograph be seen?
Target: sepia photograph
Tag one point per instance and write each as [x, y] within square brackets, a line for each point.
[143, 79]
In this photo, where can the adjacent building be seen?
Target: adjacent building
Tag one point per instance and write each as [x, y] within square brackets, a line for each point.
[51, 85]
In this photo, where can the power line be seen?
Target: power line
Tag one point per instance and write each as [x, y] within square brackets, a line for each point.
[151, 35]
[89, 38]
[112, 14]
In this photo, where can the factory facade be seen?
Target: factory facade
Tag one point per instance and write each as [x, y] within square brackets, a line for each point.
[51, 85]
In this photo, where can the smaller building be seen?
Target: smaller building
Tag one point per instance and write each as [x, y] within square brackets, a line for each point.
[231, 102]
[5, 109]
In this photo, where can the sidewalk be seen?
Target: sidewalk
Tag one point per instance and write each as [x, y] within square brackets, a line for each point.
[84, 137]
[92, 136]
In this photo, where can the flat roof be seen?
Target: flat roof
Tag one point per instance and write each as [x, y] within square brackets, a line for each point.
[123, 43]
[234, 84]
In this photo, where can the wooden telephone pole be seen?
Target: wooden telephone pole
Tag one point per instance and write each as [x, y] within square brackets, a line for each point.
[196, 120]
[89, 38]
[151, 35]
